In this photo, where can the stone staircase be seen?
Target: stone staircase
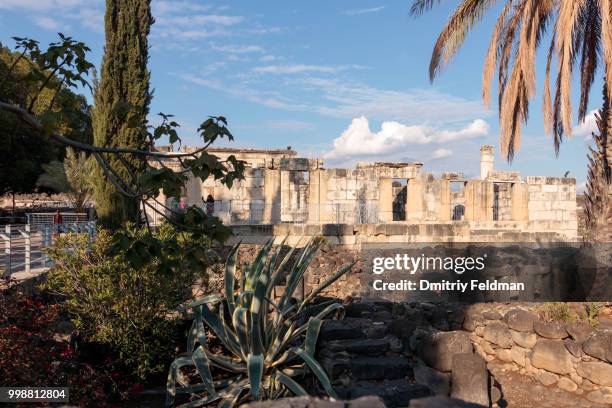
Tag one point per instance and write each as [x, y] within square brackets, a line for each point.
[362, 357]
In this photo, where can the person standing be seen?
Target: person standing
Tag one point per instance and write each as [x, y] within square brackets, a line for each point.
[58, 220]
[210, 205]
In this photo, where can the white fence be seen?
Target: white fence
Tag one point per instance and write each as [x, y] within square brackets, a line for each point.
[24, 246]
[42, 220]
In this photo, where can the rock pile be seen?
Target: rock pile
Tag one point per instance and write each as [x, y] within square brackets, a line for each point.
[573, 356]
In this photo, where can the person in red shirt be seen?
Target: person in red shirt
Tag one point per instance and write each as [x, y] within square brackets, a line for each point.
[57, 222]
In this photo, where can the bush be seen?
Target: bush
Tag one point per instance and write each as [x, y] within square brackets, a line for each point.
[122, 291]
[556, 312]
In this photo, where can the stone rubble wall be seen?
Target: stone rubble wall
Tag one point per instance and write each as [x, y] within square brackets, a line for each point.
[549, 272]
[573, 356]
[408, 350]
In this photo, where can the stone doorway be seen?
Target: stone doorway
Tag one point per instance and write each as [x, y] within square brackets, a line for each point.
[399, 194]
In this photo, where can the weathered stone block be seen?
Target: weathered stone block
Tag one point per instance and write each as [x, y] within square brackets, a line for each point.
[546, 378]
[469, 378]
[498, 333]
[601, 396]
[551, 355]
[596, 371]
[566, 384]
[599, 345]
[579, 331]
[573, 347]
[520, 320]
[519, 354]
[436, 381]
[551, 330]
[524, 339]
[438, 348]
[442, 402]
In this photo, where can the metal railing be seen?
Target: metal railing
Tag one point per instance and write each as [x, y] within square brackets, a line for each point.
[24, 246]
[41, 220]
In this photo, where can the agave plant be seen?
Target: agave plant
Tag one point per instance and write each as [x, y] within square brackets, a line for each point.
[268, 343]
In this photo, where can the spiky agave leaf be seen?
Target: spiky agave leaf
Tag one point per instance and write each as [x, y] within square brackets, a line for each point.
[261, 334]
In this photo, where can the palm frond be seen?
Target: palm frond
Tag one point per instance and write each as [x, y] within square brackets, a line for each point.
[606, 39]
[54, 177]
[420, 6]
[467, 14]
[568, 15]
[588, 40]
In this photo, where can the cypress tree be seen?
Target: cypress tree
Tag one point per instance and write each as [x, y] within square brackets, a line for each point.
[123, 88]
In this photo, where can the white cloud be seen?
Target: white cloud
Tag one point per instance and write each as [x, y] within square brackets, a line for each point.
[196, 20]
[294, 69]
[41, 5]
[53, 14]
[167, 6]
[267, 58]
[587, 127]
[347, 99]
[48, 23]
[358, 12]
[289, 125]
[441, 153]
[359, 141]
[238, 49]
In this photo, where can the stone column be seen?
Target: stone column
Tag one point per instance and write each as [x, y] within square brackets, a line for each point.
[272, 196]
[444, 210]
[385, 200]
[520, 197]
[318, 211]
[478, 200]
[285, 196]
[414, 199]
[486, 161]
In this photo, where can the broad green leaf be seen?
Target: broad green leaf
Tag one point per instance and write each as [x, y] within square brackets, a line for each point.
[239, 320]
[230, 270]
[317, 370]
[217, 326]
[293, 386]
[255, 366]
[172, 378]
[202, 364]
[312, 334]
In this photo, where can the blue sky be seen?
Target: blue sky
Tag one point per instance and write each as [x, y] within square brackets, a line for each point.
[344, 80]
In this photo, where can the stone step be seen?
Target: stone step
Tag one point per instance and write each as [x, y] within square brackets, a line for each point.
[349, 328]
[356, 346]
[340, 366]
[395, 393]
[379, 368]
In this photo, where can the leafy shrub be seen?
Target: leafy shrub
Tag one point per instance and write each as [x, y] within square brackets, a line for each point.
[591, 310]
[556, 312]
[122, 291]
[31, 354]
[266, 343]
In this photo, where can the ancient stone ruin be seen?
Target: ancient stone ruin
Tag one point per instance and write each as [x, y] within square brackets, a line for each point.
[282, 189]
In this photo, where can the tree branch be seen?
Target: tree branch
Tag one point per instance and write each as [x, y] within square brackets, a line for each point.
[31, 121]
